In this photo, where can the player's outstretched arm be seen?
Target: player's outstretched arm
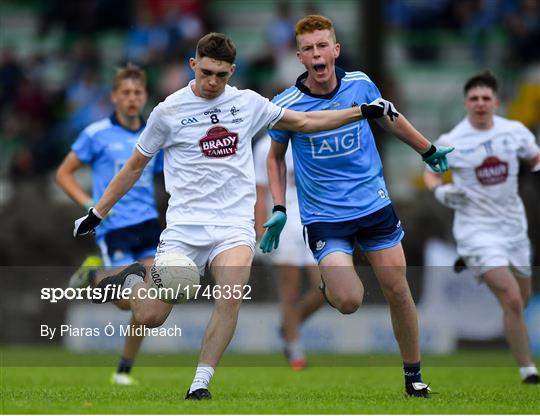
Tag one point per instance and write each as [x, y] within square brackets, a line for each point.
[313, 121]
[65, 178]
[534, 163]
[277, 171]
[432, 179]
[277, 181]
[407, 133]
[119, 186]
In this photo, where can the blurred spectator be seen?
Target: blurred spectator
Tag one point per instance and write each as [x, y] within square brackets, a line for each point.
[11, 139]
[280, 32]
[83, 56]
[88, 100]
[11, 74]
[73, 17]
[148, 38]
[31, 100]
[174, 75]
[476, 19]
[522, 19]
[418, 16]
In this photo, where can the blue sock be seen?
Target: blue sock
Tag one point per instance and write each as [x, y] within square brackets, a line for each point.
[124, 366]
[413, 374]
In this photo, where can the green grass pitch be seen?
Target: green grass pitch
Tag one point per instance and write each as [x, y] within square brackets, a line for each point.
[466, 382]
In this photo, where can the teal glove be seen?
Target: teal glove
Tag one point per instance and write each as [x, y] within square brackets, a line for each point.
[274, 226]
[436, 158]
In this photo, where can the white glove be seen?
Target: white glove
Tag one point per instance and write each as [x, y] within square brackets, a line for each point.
[379, 108]
[450, 195]
[388, 108]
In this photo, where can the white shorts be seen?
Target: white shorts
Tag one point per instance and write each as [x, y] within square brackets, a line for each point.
[481, 259]
[292, 250]
[202, 243]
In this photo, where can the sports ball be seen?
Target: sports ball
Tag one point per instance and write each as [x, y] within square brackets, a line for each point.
[174, 276]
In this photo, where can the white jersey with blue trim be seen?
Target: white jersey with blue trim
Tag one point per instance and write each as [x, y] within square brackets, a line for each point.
[338, 172]
[106, 145]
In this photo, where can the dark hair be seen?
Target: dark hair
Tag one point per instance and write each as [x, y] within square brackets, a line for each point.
[483, 79]
[129, 71]
[216, 46]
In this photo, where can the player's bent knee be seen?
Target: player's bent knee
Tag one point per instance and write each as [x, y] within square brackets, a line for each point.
[123, 305]
[513, 304]
[398, 295]
[349, 305]
[525, 297]
[228, 304]
[150, 318]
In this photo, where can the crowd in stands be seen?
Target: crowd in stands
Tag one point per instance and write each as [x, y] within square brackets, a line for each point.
[41, 112]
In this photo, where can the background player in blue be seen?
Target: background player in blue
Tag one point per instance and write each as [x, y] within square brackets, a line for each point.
[130, 232]
[341, 190]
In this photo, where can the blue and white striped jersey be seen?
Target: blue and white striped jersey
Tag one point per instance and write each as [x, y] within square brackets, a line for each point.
[106, 145]
[338, 172]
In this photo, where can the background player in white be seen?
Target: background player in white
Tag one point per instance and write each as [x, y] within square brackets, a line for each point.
[490, 226]
[290, 258]
[343, 198]
[206, 130]
[131, 232]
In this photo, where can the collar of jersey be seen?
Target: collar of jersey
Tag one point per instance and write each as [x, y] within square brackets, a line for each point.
[340, 73]
[114, 121]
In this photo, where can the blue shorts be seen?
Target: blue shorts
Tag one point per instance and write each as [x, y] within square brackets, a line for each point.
[123, 246]
[376, 231]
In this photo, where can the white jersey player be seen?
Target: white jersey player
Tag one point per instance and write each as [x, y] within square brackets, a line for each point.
[290, 257]
[490, 226]
[205, 131]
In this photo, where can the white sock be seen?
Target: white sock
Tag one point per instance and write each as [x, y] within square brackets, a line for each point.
[295, 350]
[132, 280]
[525, 372]
[202, 378]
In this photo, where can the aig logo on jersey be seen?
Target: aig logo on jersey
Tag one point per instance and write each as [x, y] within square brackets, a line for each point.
[492, 171]
[336, 143]
[219, 142]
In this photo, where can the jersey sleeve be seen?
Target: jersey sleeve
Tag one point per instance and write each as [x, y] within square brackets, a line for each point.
[528, 148]
[84, 147]
[158, 164]
[260, 152]
[267, 113]
[372, 92]
[155, 134]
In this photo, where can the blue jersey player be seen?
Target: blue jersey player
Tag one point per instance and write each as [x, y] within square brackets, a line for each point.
[341, 190]
[131, 232]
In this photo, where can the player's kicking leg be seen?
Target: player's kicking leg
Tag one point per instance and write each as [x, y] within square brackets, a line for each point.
[512, 297]
[230, 267]
[132, 345]
[90, 274]
[342, 287]
[146, 311]
[389, 266]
